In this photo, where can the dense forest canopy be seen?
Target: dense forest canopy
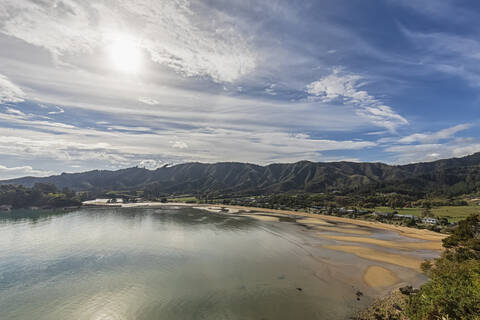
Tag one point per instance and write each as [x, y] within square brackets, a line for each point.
[40, 195]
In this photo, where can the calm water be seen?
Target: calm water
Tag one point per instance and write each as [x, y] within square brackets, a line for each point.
[171, 263]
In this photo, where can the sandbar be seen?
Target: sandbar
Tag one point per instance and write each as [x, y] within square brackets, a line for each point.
[402, 245]
[379, 277]
[379, 255]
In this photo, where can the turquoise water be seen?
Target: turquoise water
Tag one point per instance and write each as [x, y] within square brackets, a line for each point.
[169, 263]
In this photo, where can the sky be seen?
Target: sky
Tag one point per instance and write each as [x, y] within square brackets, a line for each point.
[111, 84]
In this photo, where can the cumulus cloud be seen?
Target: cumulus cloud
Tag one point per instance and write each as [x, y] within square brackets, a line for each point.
[15, 172]
[150, 164]
[9, 92]
[172, 32]
[343, 88]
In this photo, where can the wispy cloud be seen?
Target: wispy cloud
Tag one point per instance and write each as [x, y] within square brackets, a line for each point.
[13, 172]
[15, 111]
[435, 136]
[449, 53]
[344, 88]
[149, 101]
[170, 31]
[57, 111]
[9, 92]
[431, 145]
[433, 151]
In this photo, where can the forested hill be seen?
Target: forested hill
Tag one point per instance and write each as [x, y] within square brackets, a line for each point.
[449, 176]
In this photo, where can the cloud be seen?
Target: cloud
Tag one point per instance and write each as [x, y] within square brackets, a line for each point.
[179, 144]
[9, 92]
[14, 172]
[149, 101]
[151, 164]
[271, 90]
[15, 111]
[172, 32]
[342, 88]
[434, 9]
[433, 151]
[435, 136]
[431, 145]
[448, 53]
[66, 144]
[58, 111]
[338, 87]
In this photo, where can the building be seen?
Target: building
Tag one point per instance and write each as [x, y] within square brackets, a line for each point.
[404, 216]
[428, 220]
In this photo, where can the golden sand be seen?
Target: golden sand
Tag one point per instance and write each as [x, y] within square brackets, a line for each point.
[404, 231]
[402, 245]
[379, 255]
[379, 277]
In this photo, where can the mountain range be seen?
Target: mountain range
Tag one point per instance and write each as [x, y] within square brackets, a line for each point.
[448, 176]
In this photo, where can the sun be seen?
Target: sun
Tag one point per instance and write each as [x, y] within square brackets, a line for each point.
[125, 54]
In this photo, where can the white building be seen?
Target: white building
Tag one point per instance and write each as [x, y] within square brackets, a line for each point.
[428, 220]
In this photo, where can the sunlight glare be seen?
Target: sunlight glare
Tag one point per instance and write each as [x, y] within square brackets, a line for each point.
[125, 54]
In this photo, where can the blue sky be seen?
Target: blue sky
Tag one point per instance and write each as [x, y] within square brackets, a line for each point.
[112, 84]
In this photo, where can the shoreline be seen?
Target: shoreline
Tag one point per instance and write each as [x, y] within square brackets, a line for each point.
[413, 233]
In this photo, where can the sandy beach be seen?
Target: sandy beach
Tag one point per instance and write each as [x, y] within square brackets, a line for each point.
[421, 234]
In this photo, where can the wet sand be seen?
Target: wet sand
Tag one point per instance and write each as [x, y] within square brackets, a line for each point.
[344, 230]
[402, 260]
[430, 245]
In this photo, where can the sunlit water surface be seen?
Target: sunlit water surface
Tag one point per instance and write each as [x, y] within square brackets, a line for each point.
[169, 263]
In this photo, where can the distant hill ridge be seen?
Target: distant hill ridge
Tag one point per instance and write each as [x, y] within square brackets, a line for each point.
[454, 175]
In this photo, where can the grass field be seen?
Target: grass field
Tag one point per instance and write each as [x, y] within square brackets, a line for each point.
[452, 213]
[182, 199]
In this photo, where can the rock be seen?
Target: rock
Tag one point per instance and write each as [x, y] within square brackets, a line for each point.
[408, 290]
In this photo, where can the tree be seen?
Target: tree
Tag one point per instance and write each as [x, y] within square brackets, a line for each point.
[395, 202]
[453, 291]
[427, 212]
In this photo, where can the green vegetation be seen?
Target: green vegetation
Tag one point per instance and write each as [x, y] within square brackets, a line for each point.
[186, 199]
[452, 213]
[453, 291]
[40, 195]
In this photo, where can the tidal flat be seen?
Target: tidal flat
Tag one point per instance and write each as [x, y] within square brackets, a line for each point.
[180, 262]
